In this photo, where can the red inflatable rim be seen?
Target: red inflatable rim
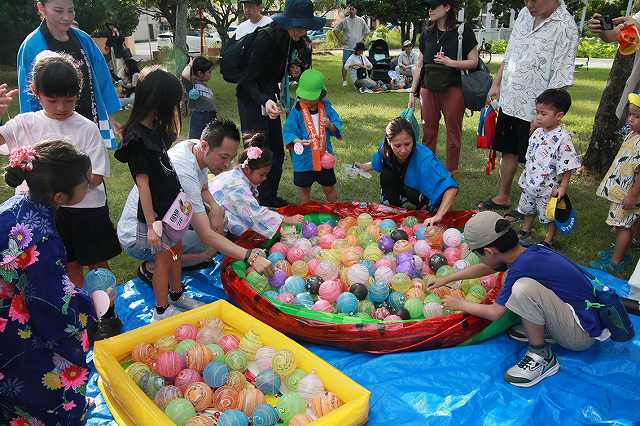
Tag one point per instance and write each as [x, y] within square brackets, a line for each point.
[375, 338]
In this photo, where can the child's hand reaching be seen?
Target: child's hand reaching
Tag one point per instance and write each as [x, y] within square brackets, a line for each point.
[293, 220]
[6, 97]
[629, 201]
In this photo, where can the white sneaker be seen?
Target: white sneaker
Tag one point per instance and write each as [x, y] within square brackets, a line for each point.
[344, 83]
[186, 303]
[531, 369]
[170, 311]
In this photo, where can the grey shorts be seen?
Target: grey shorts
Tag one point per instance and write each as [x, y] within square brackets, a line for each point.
[191, 244]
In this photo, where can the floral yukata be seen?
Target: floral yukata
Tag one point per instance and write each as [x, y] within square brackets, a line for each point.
[233, 191]
[549, 156]
[43, 322]
[619, 180]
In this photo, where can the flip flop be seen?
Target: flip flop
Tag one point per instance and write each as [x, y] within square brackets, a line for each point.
[514, 216]
[489, 204]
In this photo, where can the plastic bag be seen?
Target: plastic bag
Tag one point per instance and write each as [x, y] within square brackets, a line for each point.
[408, 115]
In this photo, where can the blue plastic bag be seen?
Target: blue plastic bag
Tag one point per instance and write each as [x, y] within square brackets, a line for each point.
[408, 115]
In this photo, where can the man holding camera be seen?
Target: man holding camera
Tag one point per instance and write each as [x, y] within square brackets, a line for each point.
[608, 29]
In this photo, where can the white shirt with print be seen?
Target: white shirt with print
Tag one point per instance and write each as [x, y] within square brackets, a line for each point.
[537, 59]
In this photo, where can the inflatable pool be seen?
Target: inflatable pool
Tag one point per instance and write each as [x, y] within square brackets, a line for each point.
[351, 332]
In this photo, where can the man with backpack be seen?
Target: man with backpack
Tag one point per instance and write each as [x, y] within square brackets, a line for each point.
[252, 9]
[554, 299]
[258, 64]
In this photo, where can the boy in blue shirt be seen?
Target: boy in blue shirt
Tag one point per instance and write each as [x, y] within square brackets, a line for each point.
[546, 290]
[307, 133]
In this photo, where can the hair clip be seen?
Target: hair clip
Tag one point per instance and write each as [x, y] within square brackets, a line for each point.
[253, 153]
[22, 158]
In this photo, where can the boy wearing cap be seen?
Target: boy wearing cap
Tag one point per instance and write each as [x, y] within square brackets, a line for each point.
[545, 289]
[252, 10]
[551, 159]
[621, 187]
[407, 61]
[307, 133]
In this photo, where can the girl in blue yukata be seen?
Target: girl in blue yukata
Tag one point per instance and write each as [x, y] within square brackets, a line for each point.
[236, 191]
[44, 318]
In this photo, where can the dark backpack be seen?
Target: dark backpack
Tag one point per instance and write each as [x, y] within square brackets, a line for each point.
[235, 56]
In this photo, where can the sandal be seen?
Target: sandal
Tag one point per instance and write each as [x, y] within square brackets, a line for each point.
[547, 245]
[526, 239]
[144, 274]
[489, 204]
[514, 216]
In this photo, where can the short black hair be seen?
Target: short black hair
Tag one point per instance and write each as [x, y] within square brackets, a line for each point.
[215, 132]
[200, 64]
[359, 47]
[558, 99]
[507, 241]
[56, 75]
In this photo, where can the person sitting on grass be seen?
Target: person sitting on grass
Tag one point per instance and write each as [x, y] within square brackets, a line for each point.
[546, 290]
[359, 66]
[236, 191]
[551, 159]
[307, 133]
[410, 175]
[621, 187]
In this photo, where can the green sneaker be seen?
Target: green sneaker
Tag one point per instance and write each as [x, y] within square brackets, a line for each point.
[531, 369]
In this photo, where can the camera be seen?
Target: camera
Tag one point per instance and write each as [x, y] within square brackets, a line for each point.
[606, 23]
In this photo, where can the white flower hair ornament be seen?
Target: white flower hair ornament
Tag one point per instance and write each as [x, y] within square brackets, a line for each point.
[253, 153]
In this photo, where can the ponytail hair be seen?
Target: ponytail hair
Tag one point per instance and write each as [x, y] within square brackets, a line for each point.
[49, 167]
[255, 155]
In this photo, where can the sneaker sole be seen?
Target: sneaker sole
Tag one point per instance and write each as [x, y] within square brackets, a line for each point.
[550, 372]
[524, 339]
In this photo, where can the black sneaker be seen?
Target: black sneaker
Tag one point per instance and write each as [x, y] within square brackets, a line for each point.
[105, 327]
[518, 333]
[531, 369]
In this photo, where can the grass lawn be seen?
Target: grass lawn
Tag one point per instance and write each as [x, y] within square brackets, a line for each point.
[365, 116]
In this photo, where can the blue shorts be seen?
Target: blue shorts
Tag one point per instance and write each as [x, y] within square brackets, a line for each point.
[345, 55]
[191, 244]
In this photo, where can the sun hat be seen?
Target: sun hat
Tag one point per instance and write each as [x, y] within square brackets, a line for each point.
[634, 99]
[407, 43]
[310, 85]
[298, 14]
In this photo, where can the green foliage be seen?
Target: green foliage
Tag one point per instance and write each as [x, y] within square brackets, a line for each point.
[498, 46]
[593, 47]
[18, 19]
[94, 15]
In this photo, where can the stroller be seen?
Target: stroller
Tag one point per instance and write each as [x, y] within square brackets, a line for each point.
[381, 60]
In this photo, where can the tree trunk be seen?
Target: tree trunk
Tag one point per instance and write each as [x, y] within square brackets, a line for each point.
[403, 31]
[180, 36]
[605, 140]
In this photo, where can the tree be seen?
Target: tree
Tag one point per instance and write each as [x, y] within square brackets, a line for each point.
[21, 20]
[94, 15]
[605, 140]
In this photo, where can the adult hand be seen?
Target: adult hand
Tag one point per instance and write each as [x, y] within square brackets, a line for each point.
[444, 60]
[438, 282]
[272, 109]
[594, 24]
[117, 127]
[293, 220]
[262, 266]
[153, 239]
[412, 100]
[625, 21]
[454, 302]
[494, 93]
[6, 97]
[629, 201]
[216, 217]
[430, 221]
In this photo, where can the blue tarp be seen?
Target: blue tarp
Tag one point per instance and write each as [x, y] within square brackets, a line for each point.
[461, 385]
